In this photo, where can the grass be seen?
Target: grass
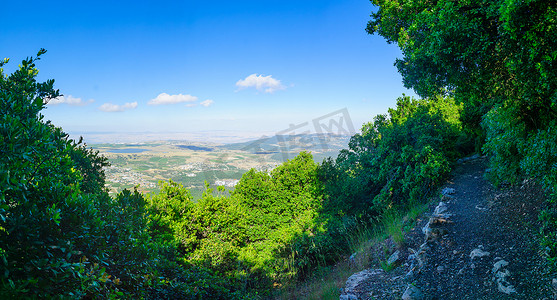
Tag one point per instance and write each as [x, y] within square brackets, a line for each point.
[386, 267]
[393, 224]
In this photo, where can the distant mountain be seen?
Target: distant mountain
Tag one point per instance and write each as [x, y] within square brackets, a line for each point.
[283, 147]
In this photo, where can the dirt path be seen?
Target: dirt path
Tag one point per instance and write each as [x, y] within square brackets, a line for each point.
[487, 250]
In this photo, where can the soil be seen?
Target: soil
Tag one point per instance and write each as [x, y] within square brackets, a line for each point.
[502, 222]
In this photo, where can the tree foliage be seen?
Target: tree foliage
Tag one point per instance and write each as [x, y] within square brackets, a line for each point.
[485, 53]
[486, 71]
[61, 235]
[398, 158]
[499, 59]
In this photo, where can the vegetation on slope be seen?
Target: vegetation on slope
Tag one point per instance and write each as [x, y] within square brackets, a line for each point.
[497, 58]
[279, 226]
[63, 235]
[486, 70]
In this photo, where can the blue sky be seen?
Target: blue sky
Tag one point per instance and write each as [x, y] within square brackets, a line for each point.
[190, 66]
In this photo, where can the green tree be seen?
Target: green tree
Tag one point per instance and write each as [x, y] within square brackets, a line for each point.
[61, 235]
[485, 53]
[498, 58]
[398, 158]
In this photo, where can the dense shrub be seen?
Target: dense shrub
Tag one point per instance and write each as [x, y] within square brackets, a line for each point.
[280, 225]
[497, 58]
[399, 158]
[61, 235]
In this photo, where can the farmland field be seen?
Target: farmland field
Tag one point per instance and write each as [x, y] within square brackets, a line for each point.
[143, 165]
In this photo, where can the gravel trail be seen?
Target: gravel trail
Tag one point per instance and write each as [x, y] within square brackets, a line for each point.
[488, 249]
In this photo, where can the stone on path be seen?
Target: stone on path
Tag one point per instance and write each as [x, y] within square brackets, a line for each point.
[501, 275]
[440, 209]
[447, 191]
[478, 252]
[412, 293]
[499, 264]
[348, 297]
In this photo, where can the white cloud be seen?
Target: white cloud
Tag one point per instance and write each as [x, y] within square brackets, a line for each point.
[70, 100]
[206, 103]
[109, 107]
[165, 98]
[262, 83]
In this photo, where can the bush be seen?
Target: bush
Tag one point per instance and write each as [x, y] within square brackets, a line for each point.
[398, 159]
[61, 235]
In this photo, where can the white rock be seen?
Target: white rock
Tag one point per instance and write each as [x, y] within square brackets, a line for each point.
[498, 265]
[440, 209]
[357, 278]
[502, 274]
[412, 293]
[505, 287]
[348, 297]
[481, 208]
[393, 258]
[478, 253]
[447, 191]
[426, 228]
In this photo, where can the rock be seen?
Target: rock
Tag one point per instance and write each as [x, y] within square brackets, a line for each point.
[412, 293]
[428, 234]
[394, 258]
[409, 275]
[505, 287]
[481, 208]
[498, 265]
[440, 209]
[478, 253]
[440, 269]
[440, 215]
[447, 191]
[357, 278]
[501, 275]
[426, 228]
[423, 248]
[554, 283]
[348, 297]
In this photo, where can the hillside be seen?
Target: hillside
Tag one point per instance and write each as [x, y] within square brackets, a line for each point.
[484, 245]
[485, 73]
